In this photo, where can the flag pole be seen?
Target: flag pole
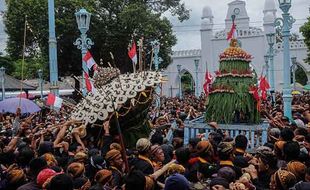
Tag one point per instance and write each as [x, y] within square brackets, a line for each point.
[134, 67]
[140, 53]
[23, 61]
[152, 54]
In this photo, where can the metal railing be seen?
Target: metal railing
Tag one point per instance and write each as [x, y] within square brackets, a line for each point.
[256, 134]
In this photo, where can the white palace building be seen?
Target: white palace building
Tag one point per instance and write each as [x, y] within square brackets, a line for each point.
[253, 41]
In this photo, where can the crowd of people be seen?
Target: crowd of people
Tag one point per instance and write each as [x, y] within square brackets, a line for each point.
[56, 153]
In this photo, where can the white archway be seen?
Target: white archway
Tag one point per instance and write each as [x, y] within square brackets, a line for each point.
[187, 81]
[305, 67]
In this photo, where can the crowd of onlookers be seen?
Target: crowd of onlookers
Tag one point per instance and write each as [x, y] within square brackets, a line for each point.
[50, 151]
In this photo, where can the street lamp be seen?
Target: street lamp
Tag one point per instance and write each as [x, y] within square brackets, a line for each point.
[155, 46]
[40, 74]
[285, 3]
[53, 65]
[2, 73]
[83, 42]
[294, 68]
[180, 82]
[197, 79]
[285, 24]
[271, 41]
[266, 58]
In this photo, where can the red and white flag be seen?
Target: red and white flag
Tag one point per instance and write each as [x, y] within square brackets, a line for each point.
[208, 81]
[89, 84]
[132, 53]
[263, 86]
[53, 100]
[88, 58]
[233, 32]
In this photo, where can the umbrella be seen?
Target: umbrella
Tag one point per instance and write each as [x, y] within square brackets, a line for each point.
[298, 87]
[307, 87]
[296, 92]
[11, 104]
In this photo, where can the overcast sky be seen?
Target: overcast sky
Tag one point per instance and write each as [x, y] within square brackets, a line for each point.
[188, 33]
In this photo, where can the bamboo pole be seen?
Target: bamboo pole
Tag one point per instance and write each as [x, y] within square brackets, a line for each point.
[120, 137]
[23, 61]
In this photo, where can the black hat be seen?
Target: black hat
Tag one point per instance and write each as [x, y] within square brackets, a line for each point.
[241, 162]
[219, 181]
[135, 180]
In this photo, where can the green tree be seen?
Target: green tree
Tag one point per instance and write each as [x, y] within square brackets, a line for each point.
[29, 69]
[301, 76]
[187, 82]
[112, 25]
[7, 63]
[305, 30]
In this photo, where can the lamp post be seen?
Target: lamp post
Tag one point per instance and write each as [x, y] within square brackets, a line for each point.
[271, 40]
[197, 79]
[83, 42]
[294, 67]
[53, 66]
[180, 81]
[2, 73]
[40, 74]
[266, 58]
[156, 46]
[285, 24]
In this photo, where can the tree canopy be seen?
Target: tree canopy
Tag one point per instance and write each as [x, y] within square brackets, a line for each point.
[305, 30]
[113, 24]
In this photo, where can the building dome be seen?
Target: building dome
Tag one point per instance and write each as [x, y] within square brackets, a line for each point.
[207, 12]
[270, 5]
[269, 17]
[206, 24]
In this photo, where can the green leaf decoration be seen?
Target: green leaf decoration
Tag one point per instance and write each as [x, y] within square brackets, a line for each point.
[230, 101]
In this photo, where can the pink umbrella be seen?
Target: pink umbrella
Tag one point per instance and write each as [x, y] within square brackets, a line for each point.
[10, 105]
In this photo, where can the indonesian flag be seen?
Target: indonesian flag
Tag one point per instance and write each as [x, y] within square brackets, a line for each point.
[89, 85]
[208, 81]
[263, 86]
[88, 58]
[233, 32]
[254, 90]
[132, 53]
[53, 100]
